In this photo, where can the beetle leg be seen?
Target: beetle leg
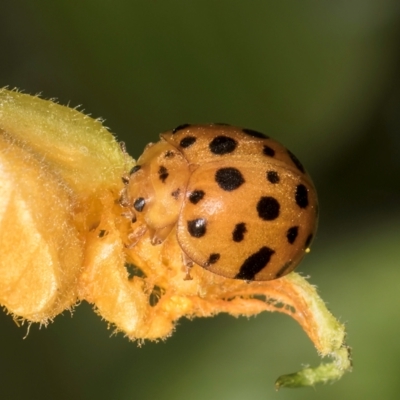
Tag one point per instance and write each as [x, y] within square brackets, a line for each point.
[135, 236]
[161, 234]
[188, 264]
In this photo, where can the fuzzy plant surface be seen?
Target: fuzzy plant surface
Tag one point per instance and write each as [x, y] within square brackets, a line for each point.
[64, 236]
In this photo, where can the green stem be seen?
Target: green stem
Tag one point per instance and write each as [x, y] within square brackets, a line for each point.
[324, 373]
[329, 338]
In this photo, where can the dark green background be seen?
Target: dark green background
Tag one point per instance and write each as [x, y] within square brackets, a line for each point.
[322, 78]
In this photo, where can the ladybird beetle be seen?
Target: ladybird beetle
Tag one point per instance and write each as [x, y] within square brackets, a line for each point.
[241, 205]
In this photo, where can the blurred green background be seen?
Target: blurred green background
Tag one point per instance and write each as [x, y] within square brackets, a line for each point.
[322, 78]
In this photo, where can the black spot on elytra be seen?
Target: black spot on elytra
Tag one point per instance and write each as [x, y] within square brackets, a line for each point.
[296, 162]
[283, 270]
[255, 263]
[169, 154]
[229, 179]
[222, 145]
[268, 208]
[197, 227]
[268, 151]
[187, 141]
[175, 194]
[213, 258]
[301, 196]
[196, 196]
[139, 203]
[134, 169]
[163, 173]
[239, 231]
[180, 127]
[273, 176]
[308, 240]
[292, 233]
[253, 133]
